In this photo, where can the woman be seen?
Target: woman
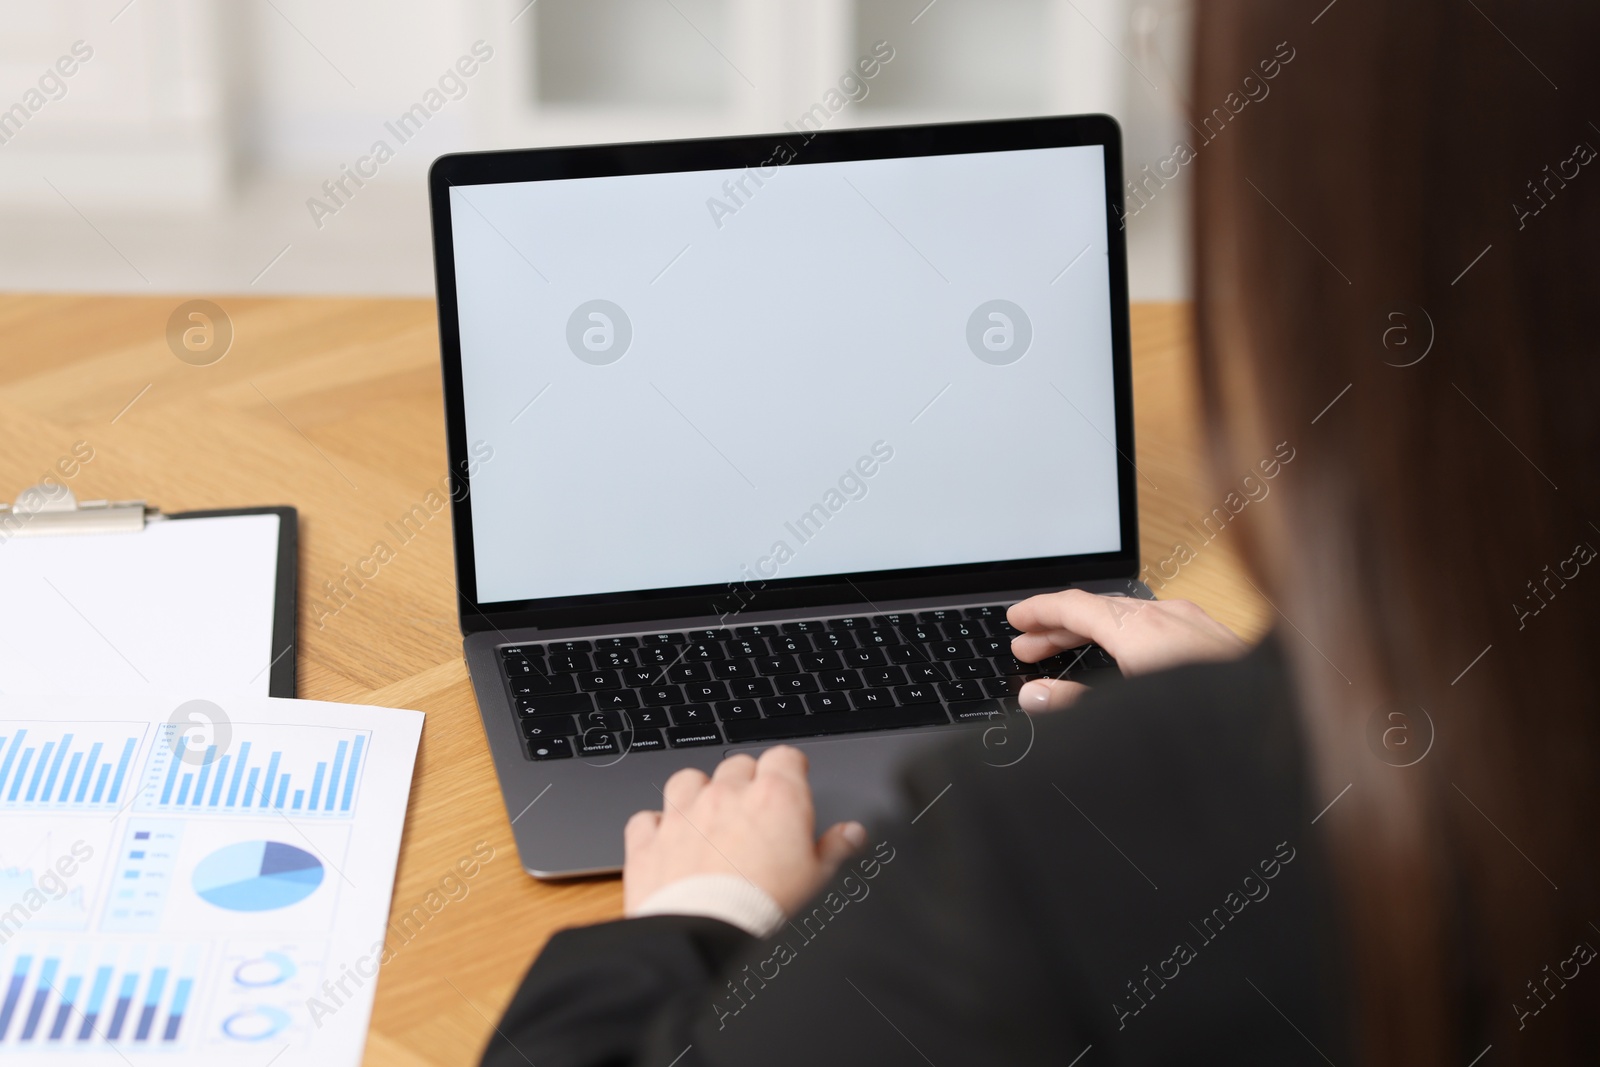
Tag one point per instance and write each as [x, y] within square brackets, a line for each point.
[1367, 839]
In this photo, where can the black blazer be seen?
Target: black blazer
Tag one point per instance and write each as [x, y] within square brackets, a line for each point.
[1133, 881]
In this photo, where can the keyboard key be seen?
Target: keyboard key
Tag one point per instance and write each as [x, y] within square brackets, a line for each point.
[971, 668]
[789, 644]
[877, 636]
[657, 656]
[865, 657]
[522, 667]
[915, 694]
[521, 651]
[639, 677]
[594, 681]
[702, 691]
[884, 675]
[646, 718]
[905, 654]
[827, 702]
[805, 626]
[836, 680]
[547, 726]
[616, 642]
[746, 648]
[821, 661]
[737, 710]
[771, 665]
[599, 720]
[691, 714]
[569, 662]
[550, 748]
[779, 707]
[733, 668]
[991, 646]
[561, 704]
[789, 684]
[974, 710]
[543, 685]
[703, 650]
[759, 630]
[962, 630]
[663, 639]
[960, 691]
[1006, 687]
[920, 634]
[835, 640]
[988, 611]
[750, 687]
[567, 646]
[689, 672]
[598, 743]
[899, 618]
[617, 700]
[1093, 658]
[863, 699]
[641, 741]
[951, 650]
[695, 736]
[852, 622]
[928, 672]
[1001, 628]
[660, 696]
[715, 635]
[777, 729]
[939, 615]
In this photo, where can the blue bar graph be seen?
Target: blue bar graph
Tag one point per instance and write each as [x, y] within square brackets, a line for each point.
[19, 976]
[56, 766]
[131, 1003]
[88, 772]
[308, 769]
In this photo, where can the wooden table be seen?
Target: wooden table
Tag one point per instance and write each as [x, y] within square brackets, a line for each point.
[334, 406]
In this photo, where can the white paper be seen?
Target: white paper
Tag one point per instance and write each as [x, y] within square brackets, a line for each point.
[135, 928]
[185, 603]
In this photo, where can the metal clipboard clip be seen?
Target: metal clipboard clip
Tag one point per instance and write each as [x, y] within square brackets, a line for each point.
[50, 510]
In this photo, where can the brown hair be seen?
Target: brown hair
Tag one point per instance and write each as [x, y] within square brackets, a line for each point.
[1415, 175]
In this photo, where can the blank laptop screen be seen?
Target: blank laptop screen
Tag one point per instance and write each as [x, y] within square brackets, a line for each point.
[690, 379]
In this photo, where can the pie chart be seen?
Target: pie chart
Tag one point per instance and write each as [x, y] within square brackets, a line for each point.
[257, 876]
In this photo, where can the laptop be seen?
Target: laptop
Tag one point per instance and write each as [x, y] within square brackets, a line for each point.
[753, 440]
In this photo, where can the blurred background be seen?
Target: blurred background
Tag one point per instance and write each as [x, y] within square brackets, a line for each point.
[232, 146]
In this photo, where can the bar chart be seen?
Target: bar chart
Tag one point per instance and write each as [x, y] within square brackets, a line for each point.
[80, 999]
[305, 770]
[56, 766]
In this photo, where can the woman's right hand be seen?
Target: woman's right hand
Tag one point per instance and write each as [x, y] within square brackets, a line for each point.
[1141, 635]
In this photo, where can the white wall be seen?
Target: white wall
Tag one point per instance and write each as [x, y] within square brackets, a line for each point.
[182, 155]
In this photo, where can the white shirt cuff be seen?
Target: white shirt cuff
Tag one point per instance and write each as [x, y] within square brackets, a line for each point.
[727, 897]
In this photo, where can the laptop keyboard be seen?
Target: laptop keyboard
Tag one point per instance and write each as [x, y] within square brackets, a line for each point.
[774, 681]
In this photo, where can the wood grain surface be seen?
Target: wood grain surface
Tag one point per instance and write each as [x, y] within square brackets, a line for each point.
[334, 406]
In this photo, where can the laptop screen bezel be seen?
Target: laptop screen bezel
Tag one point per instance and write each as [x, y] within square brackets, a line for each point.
[734, 153]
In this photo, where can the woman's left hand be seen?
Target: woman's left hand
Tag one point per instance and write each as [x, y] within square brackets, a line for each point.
[752, 819]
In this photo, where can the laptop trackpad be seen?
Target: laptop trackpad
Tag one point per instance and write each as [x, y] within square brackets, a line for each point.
[856, 777]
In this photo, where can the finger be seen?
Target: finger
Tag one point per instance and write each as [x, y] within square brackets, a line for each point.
[683, 787]
[1031, 648]
[735, 770]
[1074, 617]
[640, 831]
[783, 761]
[1049, 694]
[839, 843]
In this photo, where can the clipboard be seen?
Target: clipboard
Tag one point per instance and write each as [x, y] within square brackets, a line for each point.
[110, 595]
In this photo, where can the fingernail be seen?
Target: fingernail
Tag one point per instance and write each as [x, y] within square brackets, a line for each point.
[855, 833]
[1034, 696]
